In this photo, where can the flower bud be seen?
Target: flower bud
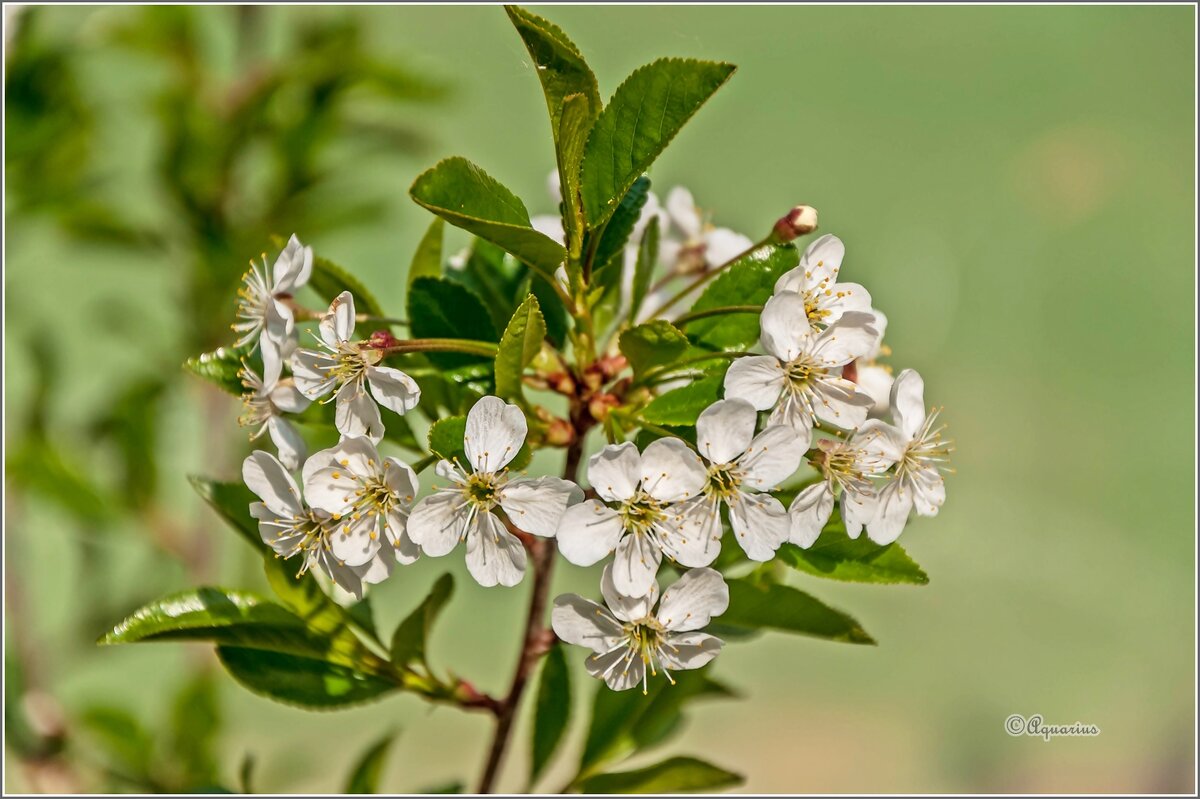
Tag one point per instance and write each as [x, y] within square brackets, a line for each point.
[600, 405]
[799, 221]
[381, 340]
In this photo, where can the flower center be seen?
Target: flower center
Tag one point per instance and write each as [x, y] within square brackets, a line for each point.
[641, 512]
[927, 450]
[645, 639]
[842, 465]
[482, 489]
[724, 481]
[351, 362]
[308, 534]
[801, 372]
[812, 307]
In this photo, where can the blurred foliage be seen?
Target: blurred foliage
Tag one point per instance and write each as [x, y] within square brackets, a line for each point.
[241, 149]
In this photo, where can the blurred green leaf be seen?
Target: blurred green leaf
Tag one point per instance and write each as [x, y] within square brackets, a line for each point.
[329, 280]
[683, 405]
[626, 140]
[608, 263]
[39, 467]
[494, 277]
[131, 423]
[195, 726]
[781, 607]
[123, 738]
[441, 308]
[411, 637]
[520, 344]
[222, 367]
[643, 271]
[838, 557]
[552, 710]
[427, 260]
[673, 775]
[362, 615]
[302, 681]
[747, 281]
[467, 197]
[656, 343]
[624, 722]
[232, 502]
[368, 770]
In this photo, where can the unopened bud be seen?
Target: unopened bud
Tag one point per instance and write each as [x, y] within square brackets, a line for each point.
[381, 340]
[799, 221]
[600, 405]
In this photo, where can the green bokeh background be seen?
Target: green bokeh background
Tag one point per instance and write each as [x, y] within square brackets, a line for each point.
[1015, 186]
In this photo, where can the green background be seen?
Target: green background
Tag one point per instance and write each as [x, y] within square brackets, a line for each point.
[1015, 187]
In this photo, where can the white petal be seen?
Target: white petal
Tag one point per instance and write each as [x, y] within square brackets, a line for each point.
[536, 506]
[288, 441]
[857, 511]
[784, 329]
[908, 402]
[582, 622]
[725, 429]
[760, 524]
[292, 268]
[438, 522]
[671, 471]
[588, 532]
[347, 577]
[695, 537]
[823, 259]
[881, 443]
[880, 326]
[689, 650]
[337, 324]
[356, 413]
[839, 402]
[773, 456]
[619, 669]
[682, 209]
[635, 565]
[403, 548]
[355, 541]
[378, 569]
[626, 607]
[722, 245]
[265, 476]
[310, 370]
[891, 514]
[494, 555]
[287, 398]
[850, 337]
[399, 477]
[876, 382]
[929, 492]
[809, 514]
[548, 225]
[758, 379]
[393, 389]
[272, 359]
[356, 455]
[692, 601]
[615, 470]
[842, 298]
[276, 531]
[495, 431]
[331, 489]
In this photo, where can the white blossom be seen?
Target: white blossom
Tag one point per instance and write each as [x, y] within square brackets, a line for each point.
[847, 468]
[874, 378]
[641, 520]
[292, 528]
[351, 368]
[264, 319]
[815, 280]
[467, 509]
[741, 466]
[368, 497]
[915, 444]
[631, 641]
[800, 378]
[264, 406]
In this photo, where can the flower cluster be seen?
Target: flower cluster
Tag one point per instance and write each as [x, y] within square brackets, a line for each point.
[817, 393]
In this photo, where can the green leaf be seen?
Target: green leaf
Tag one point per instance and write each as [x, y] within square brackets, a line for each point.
[520, 344]
[43, 469]
[652, 344]
[553, 311]
[446, 439]
[558, 63]
[123, 738]
[222, 367]
[495, 277]
[781, 607]
[232, 502]
[427, 260]
[673, 775]
[748, 281]
[643, 272]
[646, 112]
[838, 557]
[302, 681]
[366, 774]
[552, 710]
[573, 129]
[624, 722]
[329, 280]
[682, 406]
[442, 308]
[609, 260]
[412, 635]
[467, 197]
